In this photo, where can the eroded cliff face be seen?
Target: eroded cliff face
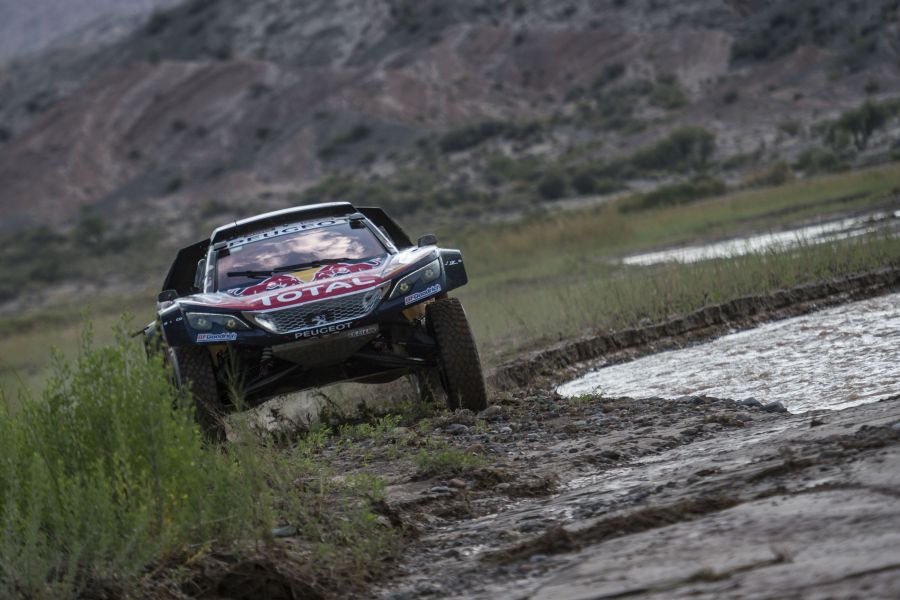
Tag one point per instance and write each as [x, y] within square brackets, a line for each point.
[228, 99]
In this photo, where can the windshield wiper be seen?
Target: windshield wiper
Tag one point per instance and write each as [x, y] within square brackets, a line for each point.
[252, 274]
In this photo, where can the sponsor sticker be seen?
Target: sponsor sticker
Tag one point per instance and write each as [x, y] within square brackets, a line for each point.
[283, 230]
[319, 290]
[363, 331]
[216, 337]
[341, 327]
[283, 280]
[321, 330]
[431, 291]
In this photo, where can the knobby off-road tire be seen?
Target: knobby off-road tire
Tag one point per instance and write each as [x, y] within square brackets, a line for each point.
[458, 361]
[194, 369]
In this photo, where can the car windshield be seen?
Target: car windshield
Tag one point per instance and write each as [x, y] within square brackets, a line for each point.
[322, 251]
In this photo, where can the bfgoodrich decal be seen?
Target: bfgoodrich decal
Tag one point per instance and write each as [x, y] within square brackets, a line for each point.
[431, 291]
[216, 337]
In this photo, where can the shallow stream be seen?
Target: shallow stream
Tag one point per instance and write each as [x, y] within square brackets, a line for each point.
[782, 240]
[832, 359]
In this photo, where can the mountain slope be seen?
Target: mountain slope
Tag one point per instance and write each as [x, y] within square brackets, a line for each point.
[245, 102]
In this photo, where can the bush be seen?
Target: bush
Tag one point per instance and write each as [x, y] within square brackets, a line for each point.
[790, 127]
[470, 136]
[679, 193]
[859, 124]
[685, 148]
[777, 174]
[584, 183]
[102, 477]
[552, 186]
[610, 73]
[819, 160]
[355, 135]
[668, 96]
[587, 181]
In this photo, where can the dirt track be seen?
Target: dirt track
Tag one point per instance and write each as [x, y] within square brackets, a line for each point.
[692, 497]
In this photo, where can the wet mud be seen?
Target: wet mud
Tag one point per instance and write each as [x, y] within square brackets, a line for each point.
[660, 498]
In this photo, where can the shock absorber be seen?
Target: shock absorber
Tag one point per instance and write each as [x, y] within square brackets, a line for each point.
[265, 361]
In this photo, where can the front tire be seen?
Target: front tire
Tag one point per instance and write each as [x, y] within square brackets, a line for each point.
[194, 369]
[458, 361]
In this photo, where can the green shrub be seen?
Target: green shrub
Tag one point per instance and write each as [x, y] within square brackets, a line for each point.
[859, 124]
[355, 135]
[102, 477]
[730, 97]
[776, 174]
[668, 95]
[552, 186]
[679, 193]
[608, 74]
[584, 183]
[592, 181]
[470, 136]
[790, 127]
[819, 160]
[685, 148]
[443, 459]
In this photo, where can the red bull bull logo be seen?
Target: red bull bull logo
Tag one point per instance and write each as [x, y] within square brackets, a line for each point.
[276, 282]
[337, 269]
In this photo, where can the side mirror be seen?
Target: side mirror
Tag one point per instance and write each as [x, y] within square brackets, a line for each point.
[167, 296]
[200, 275]
[429, 239]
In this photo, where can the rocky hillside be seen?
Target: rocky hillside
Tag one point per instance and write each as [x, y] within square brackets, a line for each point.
[224, 106]
[33, 26]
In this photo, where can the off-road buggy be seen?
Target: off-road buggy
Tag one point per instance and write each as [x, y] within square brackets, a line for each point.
[309, 296]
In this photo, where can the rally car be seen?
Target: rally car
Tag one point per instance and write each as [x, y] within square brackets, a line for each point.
[309, 296]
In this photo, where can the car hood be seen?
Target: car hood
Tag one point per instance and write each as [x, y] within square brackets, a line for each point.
[331, 280]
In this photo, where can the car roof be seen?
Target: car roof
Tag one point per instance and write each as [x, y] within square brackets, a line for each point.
[281, 217]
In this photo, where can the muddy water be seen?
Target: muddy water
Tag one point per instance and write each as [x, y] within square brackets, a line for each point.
[832, 359]
[782, 240]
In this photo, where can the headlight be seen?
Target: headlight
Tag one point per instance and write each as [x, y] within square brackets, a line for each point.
[264, 321]
[205, 321]
[426, 274]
